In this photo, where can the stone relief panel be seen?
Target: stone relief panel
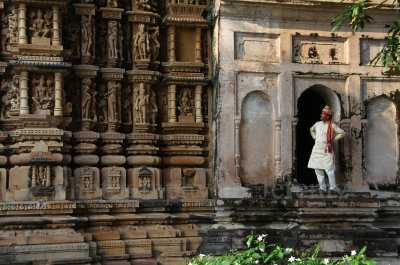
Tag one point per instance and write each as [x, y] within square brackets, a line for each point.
[257, 47]
[369, 49]
[256, 140]
[319, 50]
[381, 149]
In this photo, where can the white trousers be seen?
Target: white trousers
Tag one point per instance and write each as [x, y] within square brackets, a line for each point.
[321, 178]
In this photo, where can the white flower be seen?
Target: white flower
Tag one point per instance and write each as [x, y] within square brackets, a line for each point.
[291, 259]
[260, 238]
[298, 259]
[256, 262]
[353, 252]
[326, 261]
[288, 250]
[202, 255]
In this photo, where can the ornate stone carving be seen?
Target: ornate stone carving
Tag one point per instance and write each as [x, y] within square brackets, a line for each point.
[155, 44]
[86, 97]
[43, 94]
[149, 5]
[141, 104]
[186, 104]
[40, 26]
[87, 34]
[112, 39]
[10, 101]
[112, 100]
[102, 104]
[141, 45]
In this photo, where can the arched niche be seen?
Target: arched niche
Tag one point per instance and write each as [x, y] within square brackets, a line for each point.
[257, 140]
[309, 107]
[381, 149]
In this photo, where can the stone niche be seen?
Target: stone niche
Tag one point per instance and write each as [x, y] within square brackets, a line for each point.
[145, 183]
[185, 183]
[257, 47]
[256, 140]
[322, 50]
[381, 150]
[114, 183]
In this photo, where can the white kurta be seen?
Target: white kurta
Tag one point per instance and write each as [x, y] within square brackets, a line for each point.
[320, 159]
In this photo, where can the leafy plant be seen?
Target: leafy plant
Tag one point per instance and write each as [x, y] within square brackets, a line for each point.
[356, 14]
[260, 252]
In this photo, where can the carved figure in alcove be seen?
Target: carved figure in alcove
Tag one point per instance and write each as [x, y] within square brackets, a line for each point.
[112, 100]
[87, 175]
[155, 44]
[114, 177]
[128, 44]
[112, 39]
[127, 105]
[142, 44]
[119, 100]
[86, 97]
[50, 87]
[87, 34]
[102, 39]
[41, 100]
[186, 102]
[102, 103]
[4, 31]
[9, 101]
[154, 108]
[41, 176]
[147, 4]
[141, 104]
[39, 26]
[112, 3]
[13, 25]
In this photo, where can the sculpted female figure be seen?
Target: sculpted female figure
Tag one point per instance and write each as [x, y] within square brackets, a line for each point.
[86, 34]
[141, 104]
[141, 44]
[86, 97]
[112, 101]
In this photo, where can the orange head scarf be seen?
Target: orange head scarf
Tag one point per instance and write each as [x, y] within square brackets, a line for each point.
[328, 111]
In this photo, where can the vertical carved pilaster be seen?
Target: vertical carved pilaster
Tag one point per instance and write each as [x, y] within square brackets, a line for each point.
[197, 102]
[171, 44]
[23, 88]
[237, 151]
[56, 26]
[198, 46]
[22, 39]
[294, 126]
[58, 108]
[278, 131]
[172, 103]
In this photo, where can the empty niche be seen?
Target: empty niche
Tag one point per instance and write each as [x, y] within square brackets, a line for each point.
[185, 44]
[256, 140]
[257, 47]
[369, 49]
[381, 152]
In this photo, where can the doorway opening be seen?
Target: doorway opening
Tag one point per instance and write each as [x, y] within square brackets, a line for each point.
[309, 107]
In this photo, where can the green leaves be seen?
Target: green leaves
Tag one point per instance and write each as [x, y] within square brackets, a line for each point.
[259, 252]
[355, 14]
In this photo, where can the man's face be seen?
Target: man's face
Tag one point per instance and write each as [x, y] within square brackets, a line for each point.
[324, 116]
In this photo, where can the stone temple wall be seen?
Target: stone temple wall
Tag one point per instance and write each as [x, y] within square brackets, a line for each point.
[116, 147]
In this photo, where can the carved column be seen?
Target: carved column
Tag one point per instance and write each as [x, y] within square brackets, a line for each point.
[198, 46]
[171, 44]
[237, 151]
[56, 26]
[278, 131]
[294, 162]
[22, 39]
[58, 108]
[23, 88]
[197, 102]
[172, 103]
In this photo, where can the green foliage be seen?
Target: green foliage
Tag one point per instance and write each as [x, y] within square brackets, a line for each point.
[356, 15]
[260, 252]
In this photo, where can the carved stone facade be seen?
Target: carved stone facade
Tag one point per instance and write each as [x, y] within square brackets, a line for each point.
[90, 92]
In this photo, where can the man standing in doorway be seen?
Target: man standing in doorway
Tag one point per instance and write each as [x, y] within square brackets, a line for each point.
[325, 133]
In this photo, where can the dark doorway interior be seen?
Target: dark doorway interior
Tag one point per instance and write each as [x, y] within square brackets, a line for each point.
[309, 106]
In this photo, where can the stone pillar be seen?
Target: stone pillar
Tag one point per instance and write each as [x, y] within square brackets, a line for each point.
[237, 151]
[171, 44]
[56, 26]
[172, 103]
[198, 46]
[278, 131]
[22, 39]
[197, 102]
[58, 108]
[23, 88]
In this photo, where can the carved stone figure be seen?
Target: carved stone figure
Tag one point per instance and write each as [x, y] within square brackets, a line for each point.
[141, 104]
[112, 39]
[4, 31]
[41, 176]
[127, 105]
[112, 3]
[141, 47]
[13, 25]
[149, 5]
[186, 102]
[9, 101]
[93, 112]
[112, 100]
[86, 178]
[155, 44]
[120, 47]
[39, 26]
[86, 97]
[42, 99]
[154, 108]
[102, 39]
[87, 34]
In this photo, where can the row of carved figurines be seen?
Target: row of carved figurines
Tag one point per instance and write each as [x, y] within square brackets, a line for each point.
[111, 103]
